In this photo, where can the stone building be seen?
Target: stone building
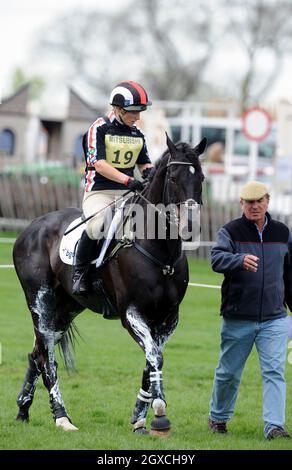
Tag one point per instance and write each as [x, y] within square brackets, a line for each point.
[28, 136]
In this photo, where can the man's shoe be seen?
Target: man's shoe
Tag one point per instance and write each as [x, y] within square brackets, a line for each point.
[277, 432]
[217, 426]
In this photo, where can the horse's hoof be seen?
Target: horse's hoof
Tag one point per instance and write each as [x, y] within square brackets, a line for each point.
[141, 431]
[160, 426]
[165, 433]
[65, 424]
[22, 416]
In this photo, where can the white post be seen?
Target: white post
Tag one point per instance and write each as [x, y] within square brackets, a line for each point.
[253, 160]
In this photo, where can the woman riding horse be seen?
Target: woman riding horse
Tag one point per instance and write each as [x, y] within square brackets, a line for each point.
[112, 147]
[146, 283]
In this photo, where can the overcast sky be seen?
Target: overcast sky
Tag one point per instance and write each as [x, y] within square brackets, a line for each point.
[21, 19]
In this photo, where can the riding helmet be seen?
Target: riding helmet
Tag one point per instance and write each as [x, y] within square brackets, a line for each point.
[130, 96]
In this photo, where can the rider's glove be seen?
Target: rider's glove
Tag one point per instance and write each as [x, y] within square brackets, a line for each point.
[135, 185]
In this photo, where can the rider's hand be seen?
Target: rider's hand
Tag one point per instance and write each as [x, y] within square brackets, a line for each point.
[135, 185]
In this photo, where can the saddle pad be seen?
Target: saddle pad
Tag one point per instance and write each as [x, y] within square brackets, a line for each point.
[68, 242]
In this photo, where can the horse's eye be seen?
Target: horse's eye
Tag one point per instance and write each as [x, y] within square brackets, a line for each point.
[172, 179]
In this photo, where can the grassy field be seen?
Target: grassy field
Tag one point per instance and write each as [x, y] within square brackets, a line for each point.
[100, 395]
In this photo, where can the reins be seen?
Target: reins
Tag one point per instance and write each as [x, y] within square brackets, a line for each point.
[167, 269]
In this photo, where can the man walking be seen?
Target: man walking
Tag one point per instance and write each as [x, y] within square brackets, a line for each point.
[254, 253]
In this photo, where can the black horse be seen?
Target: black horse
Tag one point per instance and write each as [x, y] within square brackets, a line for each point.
[146, 283]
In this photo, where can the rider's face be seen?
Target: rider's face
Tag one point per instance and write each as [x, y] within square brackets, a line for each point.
[128, 117]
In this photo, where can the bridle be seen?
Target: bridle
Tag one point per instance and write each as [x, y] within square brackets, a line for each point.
[171, 217]
[167, 181]
[188, 203]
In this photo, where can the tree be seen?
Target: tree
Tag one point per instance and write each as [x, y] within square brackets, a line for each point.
[263, 29]
[165, 44]
[175, 40]
[19, 78]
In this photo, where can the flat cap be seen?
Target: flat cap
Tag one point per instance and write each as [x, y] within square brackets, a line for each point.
[253, 190]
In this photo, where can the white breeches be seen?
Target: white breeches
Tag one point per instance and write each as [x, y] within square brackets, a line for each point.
[95, 201]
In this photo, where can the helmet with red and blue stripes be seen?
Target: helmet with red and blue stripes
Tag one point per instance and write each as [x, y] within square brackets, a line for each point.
[130, 96]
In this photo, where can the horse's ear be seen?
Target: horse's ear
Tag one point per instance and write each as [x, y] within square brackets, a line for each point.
[170, 145]
[201, 147]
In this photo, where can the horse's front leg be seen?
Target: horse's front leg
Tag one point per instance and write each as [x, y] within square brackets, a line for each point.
[161, 334]
[144, 398]
[141, 332]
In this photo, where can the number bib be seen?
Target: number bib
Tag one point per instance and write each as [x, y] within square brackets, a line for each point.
[122, 151]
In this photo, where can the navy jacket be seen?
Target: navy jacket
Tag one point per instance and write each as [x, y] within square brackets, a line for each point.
[256, 296]
[120, 145]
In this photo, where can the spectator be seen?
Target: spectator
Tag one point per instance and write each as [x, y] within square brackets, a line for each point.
[254, 254]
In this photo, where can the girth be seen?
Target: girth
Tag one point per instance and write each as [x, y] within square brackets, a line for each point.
[167, 269]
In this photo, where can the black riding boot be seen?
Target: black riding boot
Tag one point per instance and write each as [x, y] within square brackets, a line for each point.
[82, 262]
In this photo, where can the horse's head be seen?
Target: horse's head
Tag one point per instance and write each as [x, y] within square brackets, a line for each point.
[184, 176]
[183, 182]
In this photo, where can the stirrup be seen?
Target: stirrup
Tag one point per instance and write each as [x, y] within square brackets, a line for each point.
[79, 283]
[108, 309]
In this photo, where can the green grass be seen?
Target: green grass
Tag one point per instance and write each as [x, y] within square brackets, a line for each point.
[100, 395]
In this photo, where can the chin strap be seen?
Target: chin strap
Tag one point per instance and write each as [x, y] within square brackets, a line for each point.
[119, 117]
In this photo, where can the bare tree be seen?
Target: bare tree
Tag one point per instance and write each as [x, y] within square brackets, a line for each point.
[263, 29]
[175, 39]
[166, 44]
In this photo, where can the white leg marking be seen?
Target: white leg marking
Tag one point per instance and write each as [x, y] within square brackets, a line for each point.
[65, 424]
[55, 392]
[158, 406]
[142, 332]
[140, 424]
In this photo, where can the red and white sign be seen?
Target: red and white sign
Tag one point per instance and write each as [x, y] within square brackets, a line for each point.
[256, 124]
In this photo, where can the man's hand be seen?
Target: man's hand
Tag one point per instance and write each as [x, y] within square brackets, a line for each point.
[250, 263]
[135, 185]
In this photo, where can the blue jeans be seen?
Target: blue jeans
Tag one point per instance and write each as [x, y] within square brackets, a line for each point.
[237, 340]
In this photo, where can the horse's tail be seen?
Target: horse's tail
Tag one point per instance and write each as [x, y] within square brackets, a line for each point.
[67, 346]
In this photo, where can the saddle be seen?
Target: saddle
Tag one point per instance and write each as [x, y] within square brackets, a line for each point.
[100, 255]
[117, 228]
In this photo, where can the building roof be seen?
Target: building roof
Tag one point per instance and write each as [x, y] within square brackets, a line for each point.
[16, 103]
[72, 108]
[78, 108]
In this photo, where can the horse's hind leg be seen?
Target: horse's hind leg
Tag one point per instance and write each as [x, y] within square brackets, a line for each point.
[25, 397]
[42, 303]
[46, 337]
